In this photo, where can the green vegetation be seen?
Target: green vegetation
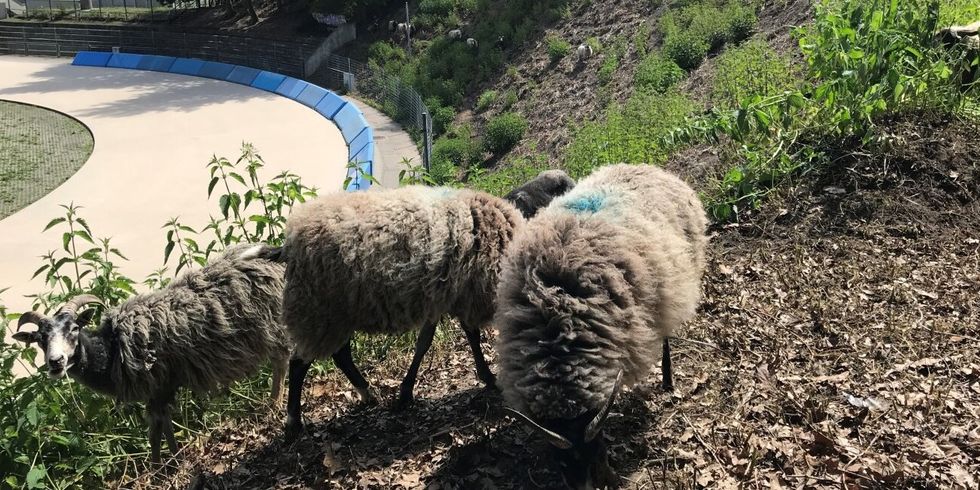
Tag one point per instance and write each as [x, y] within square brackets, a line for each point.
[486, 100]
[39, 150]
[503, 132]
[698, 28]
[558, 48]
[628, 134]
[657, 73]
[611, 62]
[751, 69]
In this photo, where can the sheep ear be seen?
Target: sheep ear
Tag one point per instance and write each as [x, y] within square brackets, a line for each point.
[85, 317]
[27, 337]
[593, 429]
[556, 439]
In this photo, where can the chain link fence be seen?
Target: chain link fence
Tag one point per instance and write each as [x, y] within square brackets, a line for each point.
[394, 97]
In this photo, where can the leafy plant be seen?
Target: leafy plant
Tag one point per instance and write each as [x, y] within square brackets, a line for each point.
[414, 174]
[503, 132]
[657, 73]
[751, 69]
[686, 48]
[558, 48]
[486, 99]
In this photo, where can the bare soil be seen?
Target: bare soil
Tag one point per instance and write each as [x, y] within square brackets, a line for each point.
[836, 346]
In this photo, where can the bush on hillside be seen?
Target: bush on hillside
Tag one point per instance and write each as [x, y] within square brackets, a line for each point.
[657, 73]
[503, 132]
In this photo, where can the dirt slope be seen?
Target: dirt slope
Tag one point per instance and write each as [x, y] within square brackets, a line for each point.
[836, 345]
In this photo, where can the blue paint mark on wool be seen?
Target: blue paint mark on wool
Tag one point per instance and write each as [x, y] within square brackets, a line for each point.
[588, 203]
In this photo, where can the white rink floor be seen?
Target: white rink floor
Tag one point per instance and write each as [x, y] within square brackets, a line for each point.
[154, 133]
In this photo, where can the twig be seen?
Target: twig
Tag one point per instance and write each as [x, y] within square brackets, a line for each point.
[698, 437]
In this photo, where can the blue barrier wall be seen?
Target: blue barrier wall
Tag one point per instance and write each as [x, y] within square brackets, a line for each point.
[349, 119]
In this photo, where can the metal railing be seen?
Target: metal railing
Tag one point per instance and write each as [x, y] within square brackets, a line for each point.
[396, 98]
[42, 39]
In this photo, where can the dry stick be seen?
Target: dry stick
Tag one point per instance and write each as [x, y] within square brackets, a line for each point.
[698, 437]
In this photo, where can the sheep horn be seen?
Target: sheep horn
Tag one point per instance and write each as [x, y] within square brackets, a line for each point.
[77, 302]
[593, 428]
[29, 317]
[556, 439]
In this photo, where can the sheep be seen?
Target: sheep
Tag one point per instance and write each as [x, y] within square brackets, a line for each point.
[389, 262]
[404, 29]
[455, 34]
[968, 37]
[588, 289]
[473, 43]
[538, 192]
[584, 52]
[500, 43]
[206, 329]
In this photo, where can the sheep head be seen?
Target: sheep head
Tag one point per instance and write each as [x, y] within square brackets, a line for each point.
[579, 447]
[58, 336]
[540, 191]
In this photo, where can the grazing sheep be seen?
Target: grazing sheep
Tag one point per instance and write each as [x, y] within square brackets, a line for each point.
[538, 192]
[473, 43]
[968, 37]
[208, 328]
[389, 262]
[404, 29]
[588, 290]
[500, 43]
[455, 34]
[584, 52]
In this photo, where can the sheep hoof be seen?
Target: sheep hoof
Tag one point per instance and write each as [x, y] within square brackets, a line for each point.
[293, 430]
[366, 397]
[403, 402]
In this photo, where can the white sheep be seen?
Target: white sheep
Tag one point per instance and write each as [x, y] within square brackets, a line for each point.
[473, 43]
[455, 34]
[207, 329]
[590, 289]
[584, 52]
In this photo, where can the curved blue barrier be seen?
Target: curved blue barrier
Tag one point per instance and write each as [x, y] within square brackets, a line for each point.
[349, 119]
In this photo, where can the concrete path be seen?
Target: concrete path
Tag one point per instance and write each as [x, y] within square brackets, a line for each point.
[392, 144]
[154, 134]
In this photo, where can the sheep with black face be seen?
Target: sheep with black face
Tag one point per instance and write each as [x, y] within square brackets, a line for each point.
[589, 290]
[205, 330]
[538, 192]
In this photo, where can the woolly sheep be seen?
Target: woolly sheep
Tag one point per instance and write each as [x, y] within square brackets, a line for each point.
[389, 262]
[455, 34]
[538, 192]
[473, 43]
[967, 36]
[208, 328]
[584, 52]
[588, 290]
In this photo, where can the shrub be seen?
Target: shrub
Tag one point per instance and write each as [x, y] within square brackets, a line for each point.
[486, 100]
[440, 8]
[740, 22]
[634, 133]
[750, 69]
[442, 115]
[510, 98]
[658, 73]
[608, 67]
[557, 48]
[503, 132]
[686, 48]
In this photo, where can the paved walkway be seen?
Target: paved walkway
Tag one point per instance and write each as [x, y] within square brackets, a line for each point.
[154, 134]
[392, 144]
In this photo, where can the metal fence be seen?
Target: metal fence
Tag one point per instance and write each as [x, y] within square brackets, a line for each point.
[39, 39]
[396, 98]
[81, 10]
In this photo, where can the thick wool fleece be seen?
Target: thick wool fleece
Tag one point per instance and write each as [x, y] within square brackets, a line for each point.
[208, 328]
[392, 261]
[592, 284]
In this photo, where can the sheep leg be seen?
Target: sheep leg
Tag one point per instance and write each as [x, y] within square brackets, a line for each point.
[279, 367]
[406, 395]
[343, 360]
[155, 426]
[665, 367]
[294, 418]
[168, 432]
[482, 369]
